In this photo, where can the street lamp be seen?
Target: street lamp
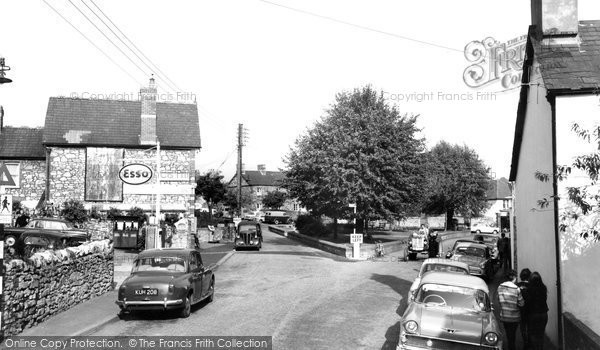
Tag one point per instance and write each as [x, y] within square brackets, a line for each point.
[3, 68]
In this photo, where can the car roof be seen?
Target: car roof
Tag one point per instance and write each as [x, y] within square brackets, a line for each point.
[443, 261]
[452, 279]
[165, 252]
[471, 244]
[50, 219]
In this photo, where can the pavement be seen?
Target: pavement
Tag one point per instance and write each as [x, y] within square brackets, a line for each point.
[92, 314]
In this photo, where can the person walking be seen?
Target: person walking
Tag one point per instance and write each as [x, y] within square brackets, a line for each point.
[503, 245]
[524, 277]
[511, 300]
[536, 296]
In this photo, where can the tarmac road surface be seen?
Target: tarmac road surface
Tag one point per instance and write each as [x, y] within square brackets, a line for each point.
[303, 297]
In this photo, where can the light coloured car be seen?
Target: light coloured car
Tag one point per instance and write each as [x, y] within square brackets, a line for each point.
[477, 255]
[485, 228]
[450, 311]
[439, 265]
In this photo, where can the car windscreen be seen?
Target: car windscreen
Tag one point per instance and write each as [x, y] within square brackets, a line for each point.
[158, 263]
[471, 251]
[473, 299]
[56, 225]
[444, 268]
[247, 229]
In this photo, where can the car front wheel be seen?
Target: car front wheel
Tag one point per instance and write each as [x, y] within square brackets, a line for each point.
[187, 307]
[10, 240]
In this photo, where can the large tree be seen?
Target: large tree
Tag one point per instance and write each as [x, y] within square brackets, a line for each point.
[457, 181]
[274, 199]
[211, 187]
[362, 151]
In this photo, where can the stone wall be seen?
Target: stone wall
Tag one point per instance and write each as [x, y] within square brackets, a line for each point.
[67, 174]
[578, 336]
[54, 281]
[67, 179]
[32, 181]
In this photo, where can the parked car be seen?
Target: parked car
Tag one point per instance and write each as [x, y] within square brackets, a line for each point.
[66, 228]
[450, 311]
[164, 279]
[277, 217]
[477, 255]
[437, 264]
[490, 240]
[485, 228]
[34, 241]
[249, 235]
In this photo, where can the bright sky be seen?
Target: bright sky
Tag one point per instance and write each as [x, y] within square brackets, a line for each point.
[271, 68]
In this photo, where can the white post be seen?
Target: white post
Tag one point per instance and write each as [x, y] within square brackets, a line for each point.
[157, 239]
[356, 245]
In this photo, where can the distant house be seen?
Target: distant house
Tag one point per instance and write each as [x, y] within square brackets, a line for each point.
[257, 183]
[499, 199]
[24, 156]
[560, 84]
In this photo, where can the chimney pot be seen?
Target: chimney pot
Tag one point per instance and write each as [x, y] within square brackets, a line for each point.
[555, 18]
[148, 97]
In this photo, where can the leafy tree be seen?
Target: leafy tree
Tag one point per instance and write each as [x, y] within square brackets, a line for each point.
[136, 212]
[457, 181]
[362, 151]
[211, 187]
[74, 211]
[112, 213]
[230, 199]
[274, 199]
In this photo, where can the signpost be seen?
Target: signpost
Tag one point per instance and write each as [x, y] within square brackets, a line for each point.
[6, 208]
[355, 239]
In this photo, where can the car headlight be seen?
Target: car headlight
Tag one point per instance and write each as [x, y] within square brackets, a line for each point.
[491, 338]
[171, 287]
[411, 327]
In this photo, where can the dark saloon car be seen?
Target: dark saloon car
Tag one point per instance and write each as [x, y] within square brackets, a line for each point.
[164, 279]
[477, 255]
[450, 311]
[31, 242]
[249, 235]
[63, 227]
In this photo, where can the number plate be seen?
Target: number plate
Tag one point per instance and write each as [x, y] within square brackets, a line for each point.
[146, 292]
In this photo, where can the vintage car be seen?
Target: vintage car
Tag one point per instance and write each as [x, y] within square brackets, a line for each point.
[418, 243]
[490, 240]
[450, 311]
[30, 242]
[477, 255]
[249, 235]
[277, 217]
[164, 279]
[437, 264]
[62, 227]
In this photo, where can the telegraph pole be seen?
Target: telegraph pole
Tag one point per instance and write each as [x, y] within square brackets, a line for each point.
[241, 143]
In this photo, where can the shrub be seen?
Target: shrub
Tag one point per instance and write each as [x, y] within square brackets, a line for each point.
[310, 225]
[74, 211]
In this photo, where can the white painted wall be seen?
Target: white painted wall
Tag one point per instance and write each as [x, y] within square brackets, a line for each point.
[580, 258]
[535, 239]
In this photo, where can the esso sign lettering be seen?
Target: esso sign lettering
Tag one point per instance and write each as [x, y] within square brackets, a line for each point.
[135, 174]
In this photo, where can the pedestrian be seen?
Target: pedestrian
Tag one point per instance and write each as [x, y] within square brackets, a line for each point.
[504, 251]
[524, 277]
[536, 296]
[22, 220]
[511, 300]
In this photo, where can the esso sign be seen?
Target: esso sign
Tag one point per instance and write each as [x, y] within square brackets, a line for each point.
[135, 174]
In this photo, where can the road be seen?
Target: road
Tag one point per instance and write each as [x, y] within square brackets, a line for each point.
[303, 297]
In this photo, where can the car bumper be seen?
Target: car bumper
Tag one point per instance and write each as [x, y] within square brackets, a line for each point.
[413, 342]
[164, 304]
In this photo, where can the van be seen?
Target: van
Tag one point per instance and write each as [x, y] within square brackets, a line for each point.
[277, 217]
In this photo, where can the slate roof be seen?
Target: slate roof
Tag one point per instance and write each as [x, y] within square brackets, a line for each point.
[115, 123]
[256, 178]
[21, 143]
[566, 69]
[571, 66]
[498, 189]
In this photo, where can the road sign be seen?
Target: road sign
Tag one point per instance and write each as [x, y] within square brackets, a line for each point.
[356, 238]
[5, 209]
[6, 178]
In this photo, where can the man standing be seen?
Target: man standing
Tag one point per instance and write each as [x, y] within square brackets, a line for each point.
[511, 300]
[504, 251]
[524, 276]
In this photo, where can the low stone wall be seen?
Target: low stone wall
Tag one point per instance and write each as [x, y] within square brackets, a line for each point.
[367, 251]
[54, 281]
[578, 336]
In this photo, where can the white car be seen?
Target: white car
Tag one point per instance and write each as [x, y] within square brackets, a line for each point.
[437, 264]
[485, 228]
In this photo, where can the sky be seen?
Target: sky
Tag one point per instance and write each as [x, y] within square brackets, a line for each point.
[274, 66]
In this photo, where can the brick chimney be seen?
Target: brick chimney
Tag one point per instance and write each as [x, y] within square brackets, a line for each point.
[555, 18]
[148, 99]
[262, 168]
